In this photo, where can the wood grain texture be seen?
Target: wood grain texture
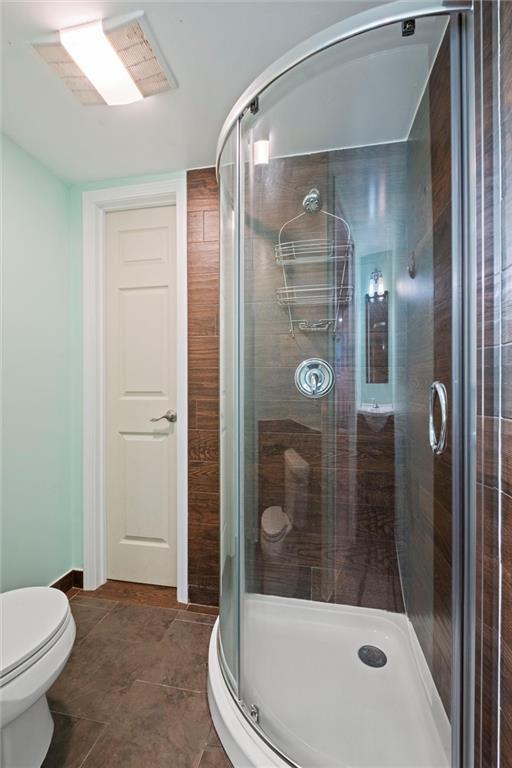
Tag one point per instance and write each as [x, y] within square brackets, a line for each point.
[203, 387]
[492, 307]
[505, 10]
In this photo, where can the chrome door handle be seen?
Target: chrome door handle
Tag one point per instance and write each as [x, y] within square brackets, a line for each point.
[438, 443]
[170, 416]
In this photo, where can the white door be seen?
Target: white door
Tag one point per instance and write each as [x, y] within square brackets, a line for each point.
[141, 385]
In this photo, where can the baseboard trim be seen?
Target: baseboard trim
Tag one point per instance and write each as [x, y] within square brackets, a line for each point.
[73, 579]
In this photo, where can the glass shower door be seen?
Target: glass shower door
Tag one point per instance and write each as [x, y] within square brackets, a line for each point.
[345, 278]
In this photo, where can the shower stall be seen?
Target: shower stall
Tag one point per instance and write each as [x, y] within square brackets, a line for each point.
[346, 400]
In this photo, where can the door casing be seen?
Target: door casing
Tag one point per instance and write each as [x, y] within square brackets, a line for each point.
[95, 205]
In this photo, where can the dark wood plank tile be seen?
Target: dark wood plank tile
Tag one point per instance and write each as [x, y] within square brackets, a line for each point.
[203, 352]
[130, 592]
[203, 445]
[207, 414]
[211, 226]
[506, 381]
[204, 508]
[203, 384]
[195, 231]
[203, 257]
[506, 455]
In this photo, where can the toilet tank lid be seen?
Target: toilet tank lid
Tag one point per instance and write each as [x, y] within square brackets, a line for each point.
[295, 462]
[29, 618]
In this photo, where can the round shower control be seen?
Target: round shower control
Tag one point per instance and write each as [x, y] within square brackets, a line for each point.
[314, 377]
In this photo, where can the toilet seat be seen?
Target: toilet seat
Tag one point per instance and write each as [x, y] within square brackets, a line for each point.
[275, 524]
[31, 620]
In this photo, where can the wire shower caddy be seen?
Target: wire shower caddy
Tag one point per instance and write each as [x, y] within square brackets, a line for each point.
[297, 253]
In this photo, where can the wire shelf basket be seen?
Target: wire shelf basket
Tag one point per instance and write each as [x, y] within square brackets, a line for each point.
[313, 295]
[317, 250]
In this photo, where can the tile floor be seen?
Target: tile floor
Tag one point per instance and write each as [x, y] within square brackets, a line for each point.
[133, 694]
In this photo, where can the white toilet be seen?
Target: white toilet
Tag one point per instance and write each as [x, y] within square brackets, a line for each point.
[37, 632]
[276, 523]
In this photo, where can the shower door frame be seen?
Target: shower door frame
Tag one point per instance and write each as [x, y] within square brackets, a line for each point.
[463, 330]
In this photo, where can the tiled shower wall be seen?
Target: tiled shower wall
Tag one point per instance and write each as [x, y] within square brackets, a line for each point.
[345, 550]
[203, 385]
[423, 306]
[493, 58]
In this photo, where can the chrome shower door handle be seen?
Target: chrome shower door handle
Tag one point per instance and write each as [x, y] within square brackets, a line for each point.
[170, 416]
[438, 442]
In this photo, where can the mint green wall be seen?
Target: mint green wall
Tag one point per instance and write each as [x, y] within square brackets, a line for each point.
[75, 218]
[38, 446]
[41, 514]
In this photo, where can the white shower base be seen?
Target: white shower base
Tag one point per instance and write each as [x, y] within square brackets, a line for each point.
[318, 702]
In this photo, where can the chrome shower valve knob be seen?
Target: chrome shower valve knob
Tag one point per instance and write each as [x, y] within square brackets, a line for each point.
[314, 377]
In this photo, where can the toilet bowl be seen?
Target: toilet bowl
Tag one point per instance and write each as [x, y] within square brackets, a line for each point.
[276, 523]
[37, 632]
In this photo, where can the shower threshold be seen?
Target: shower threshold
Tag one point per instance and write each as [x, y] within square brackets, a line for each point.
[318, 703]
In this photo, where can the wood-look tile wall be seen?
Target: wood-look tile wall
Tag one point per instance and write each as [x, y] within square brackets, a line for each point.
[203, 385]
[493, 59]
[504, 277]
[423, 321]
[346, 551]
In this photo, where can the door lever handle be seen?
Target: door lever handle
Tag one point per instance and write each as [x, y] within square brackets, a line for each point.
[170, 416]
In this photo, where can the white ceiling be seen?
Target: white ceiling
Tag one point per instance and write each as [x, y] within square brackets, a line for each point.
[214, 49]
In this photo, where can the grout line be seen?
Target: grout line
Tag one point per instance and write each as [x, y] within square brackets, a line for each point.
[97, 623]
[192, 621]
[98, 737]
[78, 717]
[174, 687]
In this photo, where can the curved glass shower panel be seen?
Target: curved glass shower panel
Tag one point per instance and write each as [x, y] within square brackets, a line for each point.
[345, 264]
[229, 576]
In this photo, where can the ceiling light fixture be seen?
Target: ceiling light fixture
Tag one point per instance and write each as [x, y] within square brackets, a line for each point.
[90, 48]
[110, 61]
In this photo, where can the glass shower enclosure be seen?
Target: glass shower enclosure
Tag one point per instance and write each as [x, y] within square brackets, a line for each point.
[342, 374]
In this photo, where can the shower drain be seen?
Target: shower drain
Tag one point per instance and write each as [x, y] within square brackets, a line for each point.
[372, 656]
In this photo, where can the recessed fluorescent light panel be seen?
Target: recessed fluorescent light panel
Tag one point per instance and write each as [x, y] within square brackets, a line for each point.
[115, 61]
[90, 49]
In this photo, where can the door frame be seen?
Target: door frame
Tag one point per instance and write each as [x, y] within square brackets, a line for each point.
[95, 205]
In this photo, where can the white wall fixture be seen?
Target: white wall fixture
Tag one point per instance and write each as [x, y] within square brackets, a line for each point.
[112, 61]
[261, 152]
[95, 205]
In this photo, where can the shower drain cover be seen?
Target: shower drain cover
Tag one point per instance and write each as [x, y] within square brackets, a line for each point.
[372, 656]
